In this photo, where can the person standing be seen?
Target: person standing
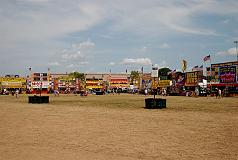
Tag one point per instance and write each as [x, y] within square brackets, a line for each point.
[196, 92]
[219, 93]
[216, 92]
[146, 92]
[165, 92]
[17, 92]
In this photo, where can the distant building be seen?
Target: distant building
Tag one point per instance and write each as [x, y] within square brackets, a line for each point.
[119, 81]
[106, 81]
[64, 83]
[94, 81]
[39, 83]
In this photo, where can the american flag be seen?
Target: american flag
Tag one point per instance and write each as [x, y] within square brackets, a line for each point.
[207, 58]
[196, 68]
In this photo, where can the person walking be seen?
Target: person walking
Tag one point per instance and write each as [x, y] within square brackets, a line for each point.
[56, 92]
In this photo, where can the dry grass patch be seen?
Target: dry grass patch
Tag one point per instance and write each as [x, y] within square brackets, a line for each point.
[118, 127]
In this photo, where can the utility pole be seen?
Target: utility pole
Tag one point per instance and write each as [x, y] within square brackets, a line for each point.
[236, 42]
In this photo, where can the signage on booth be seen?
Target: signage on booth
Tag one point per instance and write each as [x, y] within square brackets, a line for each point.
[193, 78]
[39, 84]
[164, 83]
[155, 72]
[227, 74]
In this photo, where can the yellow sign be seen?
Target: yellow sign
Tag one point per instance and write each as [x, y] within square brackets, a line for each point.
[154, 83]
[184, 65]
[164, 83]
[13, 82]
[65, 78]
[93, 87]
[191, 78]
[12, 79]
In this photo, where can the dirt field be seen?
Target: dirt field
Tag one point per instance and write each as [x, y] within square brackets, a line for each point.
[118, 127]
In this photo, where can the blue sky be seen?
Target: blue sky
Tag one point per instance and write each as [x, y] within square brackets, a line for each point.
[100, 35]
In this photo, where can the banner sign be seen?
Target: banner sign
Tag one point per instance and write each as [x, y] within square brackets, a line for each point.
[193, 78]
[164, 83]
[155, 72]
[154, 83]
[12, 79]
[227, 74]
[39, 84]
[13, 82]
[184, 65]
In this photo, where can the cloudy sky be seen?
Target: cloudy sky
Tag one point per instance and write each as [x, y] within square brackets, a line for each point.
[101, 35]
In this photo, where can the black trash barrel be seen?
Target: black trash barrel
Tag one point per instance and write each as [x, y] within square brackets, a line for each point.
[157, 103]
[38, 99]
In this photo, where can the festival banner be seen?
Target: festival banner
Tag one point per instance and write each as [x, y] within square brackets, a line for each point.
[184, 65]
[193, 78]
[155, 72]
[227, 74]
[12, 79]
[164, 83]
[39, 84]
[13, 82]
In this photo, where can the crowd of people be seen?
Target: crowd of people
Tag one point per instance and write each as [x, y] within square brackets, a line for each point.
[216, 92]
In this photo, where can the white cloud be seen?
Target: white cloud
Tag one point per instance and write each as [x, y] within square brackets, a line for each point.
[112, 64]
[49, 20]
[83, 45]
[231, 51]
[77, 52]
[161, 17]
[74, 56]
[83, 63]
[138, 61]
[54, 63]
[144, 49]
[77, 65]
[164, 46]
[36, 1]
[105, 36]
[70, 66]
[226, 21]
[161, 65]
[197, 31]
[77, 55]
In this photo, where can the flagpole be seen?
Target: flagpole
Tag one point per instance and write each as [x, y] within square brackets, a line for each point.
[142, 72]
[204, 66]
[210, 74]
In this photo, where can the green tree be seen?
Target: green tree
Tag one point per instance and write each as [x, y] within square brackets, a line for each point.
[134, 76]
[78, 75]
[163, 73]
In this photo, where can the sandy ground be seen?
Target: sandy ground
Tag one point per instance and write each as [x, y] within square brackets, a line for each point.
[118, 127]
